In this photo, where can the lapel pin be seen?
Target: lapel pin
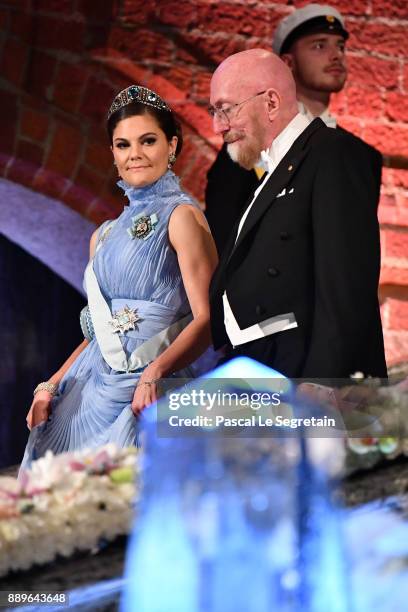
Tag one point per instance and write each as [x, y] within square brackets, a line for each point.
[290, 167]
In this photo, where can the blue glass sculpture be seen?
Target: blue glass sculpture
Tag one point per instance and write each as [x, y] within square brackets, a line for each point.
[234, 523]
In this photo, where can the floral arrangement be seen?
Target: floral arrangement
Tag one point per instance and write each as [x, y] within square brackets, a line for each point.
[371, 421]
[65, 503]
[380, 413]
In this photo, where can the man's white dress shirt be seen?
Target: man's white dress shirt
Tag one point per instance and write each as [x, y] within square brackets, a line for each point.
[270, 159]
[328, 119]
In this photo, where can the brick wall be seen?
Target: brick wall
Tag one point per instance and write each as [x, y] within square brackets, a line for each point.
[61, 61]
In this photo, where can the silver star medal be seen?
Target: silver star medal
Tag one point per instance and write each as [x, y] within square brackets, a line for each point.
[124, 320]
[143, 226]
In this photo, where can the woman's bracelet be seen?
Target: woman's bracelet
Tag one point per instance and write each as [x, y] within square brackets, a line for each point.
[148, 382]
[52, 388]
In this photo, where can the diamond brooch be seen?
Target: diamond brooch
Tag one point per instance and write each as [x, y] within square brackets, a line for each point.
[142, 226]
[124, 320]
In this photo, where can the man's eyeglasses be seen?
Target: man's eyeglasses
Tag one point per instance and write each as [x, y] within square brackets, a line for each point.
[226, 114]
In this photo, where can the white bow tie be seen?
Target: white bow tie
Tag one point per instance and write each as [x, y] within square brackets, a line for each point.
[266, 162]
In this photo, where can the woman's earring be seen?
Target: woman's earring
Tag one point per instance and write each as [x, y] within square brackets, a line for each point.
[172, 160]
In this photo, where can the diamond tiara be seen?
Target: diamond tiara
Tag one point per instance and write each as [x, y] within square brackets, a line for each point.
[136, 93]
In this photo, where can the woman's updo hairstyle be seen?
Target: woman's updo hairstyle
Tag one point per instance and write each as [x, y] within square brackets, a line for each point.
[136, 100]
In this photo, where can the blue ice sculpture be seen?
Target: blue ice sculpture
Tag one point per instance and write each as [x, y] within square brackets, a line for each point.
[233, 523]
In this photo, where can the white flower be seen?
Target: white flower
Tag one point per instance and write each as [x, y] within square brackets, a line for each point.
[65, 502]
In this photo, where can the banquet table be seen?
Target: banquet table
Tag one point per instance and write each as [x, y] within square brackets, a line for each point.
[375, 523]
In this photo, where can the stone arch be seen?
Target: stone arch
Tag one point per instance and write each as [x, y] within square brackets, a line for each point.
[48, 230]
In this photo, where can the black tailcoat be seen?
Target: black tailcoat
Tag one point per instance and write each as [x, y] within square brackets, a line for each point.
[229, 186]
[313, 251]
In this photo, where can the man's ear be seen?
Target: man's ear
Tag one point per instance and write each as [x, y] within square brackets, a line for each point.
[288, 59]
[273, 103]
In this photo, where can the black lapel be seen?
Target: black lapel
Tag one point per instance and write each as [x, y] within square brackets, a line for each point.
[229, 247]
[279, 179]
[218, 277]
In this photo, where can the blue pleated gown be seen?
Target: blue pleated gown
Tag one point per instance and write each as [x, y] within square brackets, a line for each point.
[93, 405]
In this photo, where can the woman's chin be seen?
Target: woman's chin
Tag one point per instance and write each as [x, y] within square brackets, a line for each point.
[139, 178]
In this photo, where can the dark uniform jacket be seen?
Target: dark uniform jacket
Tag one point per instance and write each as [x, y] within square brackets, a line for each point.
[228, 188]
[313, 251]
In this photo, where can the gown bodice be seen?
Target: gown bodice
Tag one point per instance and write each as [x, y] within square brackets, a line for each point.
[144, 267]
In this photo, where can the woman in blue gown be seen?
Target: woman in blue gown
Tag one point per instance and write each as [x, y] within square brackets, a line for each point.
[147, 284]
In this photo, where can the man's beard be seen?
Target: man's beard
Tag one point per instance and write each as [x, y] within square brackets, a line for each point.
[244, 153]
[325, 82]
[320, 80]
[334, 86]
